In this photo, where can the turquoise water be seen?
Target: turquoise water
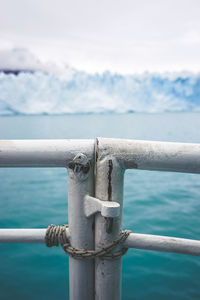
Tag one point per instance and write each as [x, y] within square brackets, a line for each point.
[154, 203]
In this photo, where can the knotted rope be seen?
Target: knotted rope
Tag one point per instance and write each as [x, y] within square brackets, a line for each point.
[57, 234]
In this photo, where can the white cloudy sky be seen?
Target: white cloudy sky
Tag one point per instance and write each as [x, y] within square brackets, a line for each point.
[125, 36]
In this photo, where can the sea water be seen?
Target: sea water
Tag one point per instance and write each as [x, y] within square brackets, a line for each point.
[160, 203]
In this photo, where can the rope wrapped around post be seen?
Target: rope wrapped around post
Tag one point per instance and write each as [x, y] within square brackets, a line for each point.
[56, 235]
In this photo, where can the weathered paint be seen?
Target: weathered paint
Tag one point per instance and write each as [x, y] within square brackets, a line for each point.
[152, 155]
[80, 184]
[163, 243]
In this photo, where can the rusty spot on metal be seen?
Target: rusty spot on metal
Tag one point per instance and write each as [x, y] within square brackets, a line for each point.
[110, 169]
[96, 155]
[134, 165]
[109, 221]
[109, 224]
[93, 225]
[97, 149]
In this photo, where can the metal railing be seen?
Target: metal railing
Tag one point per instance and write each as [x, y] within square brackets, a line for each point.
[95, 200]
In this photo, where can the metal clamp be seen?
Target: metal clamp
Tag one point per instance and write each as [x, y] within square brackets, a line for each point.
[107, 209]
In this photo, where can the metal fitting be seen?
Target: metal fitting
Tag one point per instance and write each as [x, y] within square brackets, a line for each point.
[107, 209]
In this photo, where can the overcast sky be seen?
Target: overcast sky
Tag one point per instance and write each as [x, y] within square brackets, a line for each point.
[124, 36]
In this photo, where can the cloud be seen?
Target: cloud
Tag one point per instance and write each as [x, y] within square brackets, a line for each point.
[120, 36]
[20, 59]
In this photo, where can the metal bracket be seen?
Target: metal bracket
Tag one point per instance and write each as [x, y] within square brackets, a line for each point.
[107, 209]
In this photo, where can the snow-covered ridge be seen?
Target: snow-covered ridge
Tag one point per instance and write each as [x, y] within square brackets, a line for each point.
[44, 91]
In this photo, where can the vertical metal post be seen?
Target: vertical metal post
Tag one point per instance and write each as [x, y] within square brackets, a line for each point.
[109, 186]
[81, 229]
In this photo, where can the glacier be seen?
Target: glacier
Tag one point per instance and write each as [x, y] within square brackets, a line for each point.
[39, 92]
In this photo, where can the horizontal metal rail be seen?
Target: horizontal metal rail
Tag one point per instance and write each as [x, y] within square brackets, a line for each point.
[163, 243]
[24, 235]
[150, 155]
[145, 155]
[135, 240]
[42, 153]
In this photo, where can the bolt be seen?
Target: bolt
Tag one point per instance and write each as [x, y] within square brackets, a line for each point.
[79, 166]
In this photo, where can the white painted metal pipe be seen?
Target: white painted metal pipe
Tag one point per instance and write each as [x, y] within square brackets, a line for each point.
[109, 187]
[81, 228]
[163, 243]
[135, 240]
[150, 155]
[42, 153]
[22, 235]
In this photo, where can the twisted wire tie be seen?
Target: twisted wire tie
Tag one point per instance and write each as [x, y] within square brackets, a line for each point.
[56, 235]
